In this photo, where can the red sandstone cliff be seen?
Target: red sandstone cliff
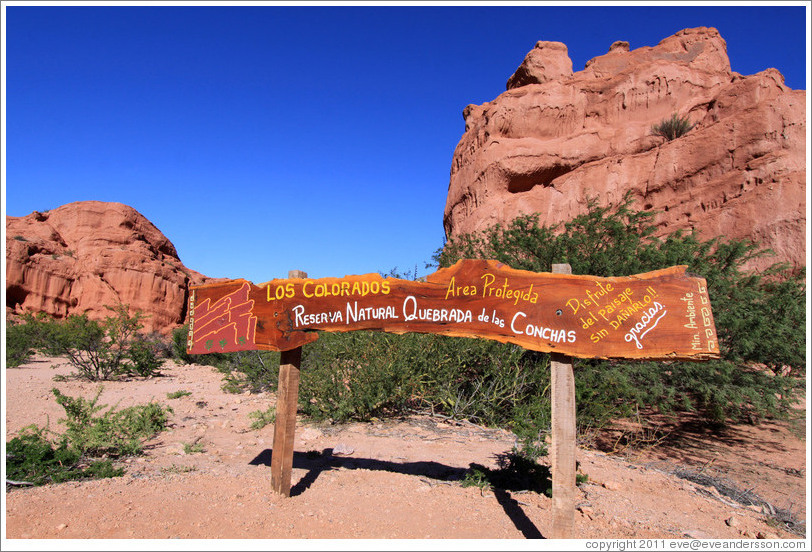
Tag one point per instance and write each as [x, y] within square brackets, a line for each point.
[556, 138]
[82, 256]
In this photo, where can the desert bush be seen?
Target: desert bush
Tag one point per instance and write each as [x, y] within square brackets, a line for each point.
[193, 448]
[89, 443]
[356, 376]
[672, 128]
[113, 433]
[515, 472]
[262, 417]
[28, 334]
[144, 358]
[33, 458]
[19, 348]
[179, 339]
[162, 345]
[760, 317]
[98, 350]
[253, 371]
[719, 391]
[361, 375]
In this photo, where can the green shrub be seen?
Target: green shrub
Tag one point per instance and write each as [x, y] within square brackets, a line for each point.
[193, 448]
[254, 371]
[162, 345]
[515, 472]
[98, 350]
[361, 375]
[672, 128]
[19, 347]
[34, 458]
[31, 457]
[760, 317]
[179, 339]
[351, 376]
[143, 358]
[115, 432]
[719, 391]
[262, 417]
[33, 332]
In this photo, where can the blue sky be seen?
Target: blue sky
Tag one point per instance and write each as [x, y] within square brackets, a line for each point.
[263, 138]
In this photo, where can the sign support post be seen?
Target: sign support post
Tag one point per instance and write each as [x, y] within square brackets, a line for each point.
[562, 387]
[287, 402]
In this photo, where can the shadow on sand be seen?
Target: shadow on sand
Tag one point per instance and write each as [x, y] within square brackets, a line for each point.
[315, 463]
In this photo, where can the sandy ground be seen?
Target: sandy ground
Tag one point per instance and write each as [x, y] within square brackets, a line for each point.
[394, 479]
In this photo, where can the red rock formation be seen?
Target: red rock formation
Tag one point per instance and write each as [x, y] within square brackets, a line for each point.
[86, 255]
[556, 138]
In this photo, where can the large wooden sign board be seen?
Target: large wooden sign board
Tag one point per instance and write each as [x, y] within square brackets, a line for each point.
[664, 314]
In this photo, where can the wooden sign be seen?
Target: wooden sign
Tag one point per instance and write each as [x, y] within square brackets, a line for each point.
[665, 314]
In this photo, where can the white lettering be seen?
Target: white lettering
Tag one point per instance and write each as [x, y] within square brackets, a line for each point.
[406, 315]
[512, 323]
[302, 319]
[647, 317]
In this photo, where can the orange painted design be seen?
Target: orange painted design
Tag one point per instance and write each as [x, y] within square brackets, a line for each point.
[227, 324]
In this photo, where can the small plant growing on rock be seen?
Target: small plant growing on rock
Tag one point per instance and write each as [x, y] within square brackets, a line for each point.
[672, 128]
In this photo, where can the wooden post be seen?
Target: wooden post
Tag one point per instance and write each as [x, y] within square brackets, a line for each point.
[563, 438]
[287, 401]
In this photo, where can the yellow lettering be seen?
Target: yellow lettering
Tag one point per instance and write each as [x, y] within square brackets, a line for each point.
[489, 279]
[451, 291]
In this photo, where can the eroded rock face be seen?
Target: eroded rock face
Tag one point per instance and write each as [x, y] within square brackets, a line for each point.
[555, 139]
[84, 256]
[547, 61]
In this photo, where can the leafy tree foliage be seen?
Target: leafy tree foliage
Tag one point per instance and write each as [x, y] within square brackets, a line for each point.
[760, 317]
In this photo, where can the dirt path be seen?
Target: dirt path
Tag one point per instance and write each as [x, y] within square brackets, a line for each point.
[393, 480]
